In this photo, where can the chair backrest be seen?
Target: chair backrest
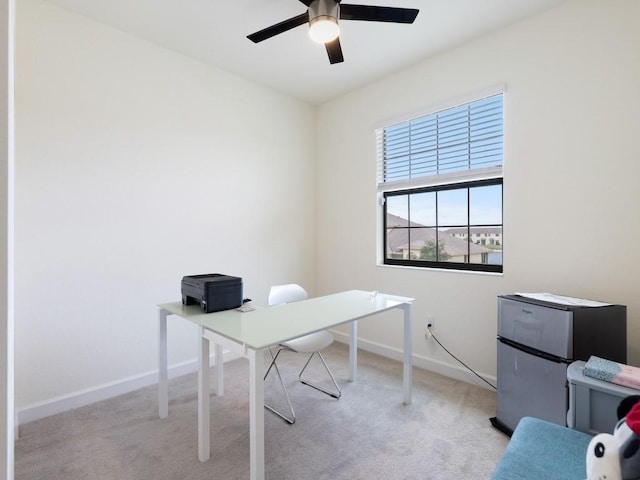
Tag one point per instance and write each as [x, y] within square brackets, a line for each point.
[291, 292]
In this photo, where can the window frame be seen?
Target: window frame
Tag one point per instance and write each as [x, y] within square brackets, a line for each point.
[466, 266]
[466, 179]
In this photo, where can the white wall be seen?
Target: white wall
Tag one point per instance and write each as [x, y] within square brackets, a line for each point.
[7, 27]
[572, 163]
[136, 166]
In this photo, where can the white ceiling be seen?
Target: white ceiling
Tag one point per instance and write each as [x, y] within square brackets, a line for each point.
[214, 31]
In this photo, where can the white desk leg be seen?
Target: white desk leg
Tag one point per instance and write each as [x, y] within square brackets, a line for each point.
[353, 351]
[203, 397]
[256, 414]
[163, 387]
[406, 360]
[219, 371]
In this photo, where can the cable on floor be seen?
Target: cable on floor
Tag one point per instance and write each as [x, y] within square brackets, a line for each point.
[460, 361]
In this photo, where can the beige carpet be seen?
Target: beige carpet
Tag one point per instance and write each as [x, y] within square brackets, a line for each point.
[367, 434]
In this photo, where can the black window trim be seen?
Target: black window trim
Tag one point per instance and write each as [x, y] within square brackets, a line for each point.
[476, 267]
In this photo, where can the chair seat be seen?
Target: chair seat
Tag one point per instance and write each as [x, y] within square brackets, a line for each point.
[539, 449]
[307, 344]
[310, 343]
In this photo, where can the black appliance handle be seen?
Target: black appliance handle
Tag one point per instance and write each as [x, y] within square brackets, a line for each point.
[533, 351]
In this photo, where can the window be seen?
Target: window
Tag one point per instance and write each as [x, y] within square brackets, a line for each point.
[440, 181]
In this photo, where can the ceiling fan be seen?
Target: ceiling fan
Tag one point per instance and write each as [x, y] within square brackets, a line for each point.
[323, 15]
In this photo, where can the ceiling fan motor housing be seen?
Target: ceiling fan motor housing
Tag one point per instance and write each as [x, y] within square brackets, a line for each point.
[322, 10]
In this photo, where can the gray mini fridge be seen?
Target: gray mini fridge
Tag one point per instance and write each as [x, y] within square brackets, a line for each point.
[537, 340]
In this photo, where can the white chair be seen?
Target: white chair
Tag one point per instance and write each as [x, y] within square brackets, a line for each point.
[308, 344]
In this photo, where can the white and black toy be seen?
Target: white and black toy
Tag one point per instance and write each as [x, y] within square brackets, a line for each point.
[603, 458]
[617, 456]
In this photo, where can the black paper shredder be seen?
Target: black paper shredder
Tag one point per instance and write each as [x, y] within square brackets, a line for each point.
[213, 291]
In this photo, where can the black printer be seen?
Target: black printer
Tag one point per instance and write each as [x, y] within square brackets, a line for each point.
[213, 291]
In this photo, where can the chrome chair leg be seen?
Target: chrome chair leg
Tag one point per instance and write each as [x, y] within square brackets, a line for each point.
[290, 420]
[335, 394]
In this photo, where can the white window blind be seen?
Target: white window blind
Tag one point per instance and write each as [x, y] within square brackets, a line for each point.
[456, 144]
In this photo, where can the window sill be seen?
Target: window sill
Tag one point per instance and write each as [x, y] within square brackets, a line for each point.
[445, 270]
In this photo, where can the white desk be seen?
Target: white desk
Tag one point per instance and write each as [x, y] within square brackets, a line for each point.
[249, 333]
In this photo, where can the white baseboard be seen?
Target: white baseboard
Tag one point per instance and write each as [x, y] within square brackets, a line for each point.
[81, 398]
[88, 396]
[420, 361]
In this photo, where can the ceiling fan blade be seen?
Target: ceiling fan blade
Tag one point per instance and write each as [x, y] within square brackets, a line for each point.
[306, 2]
[278, 28]
[378, 14]
[334, 50]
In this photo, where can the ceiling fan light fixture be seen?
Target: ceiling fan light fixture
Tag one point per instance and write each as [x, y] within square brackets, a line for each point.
[323, 20]
[323, 29]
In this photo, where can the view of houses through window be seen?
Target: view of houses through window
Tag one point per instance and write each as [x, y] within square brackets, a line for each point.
[461, 245]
